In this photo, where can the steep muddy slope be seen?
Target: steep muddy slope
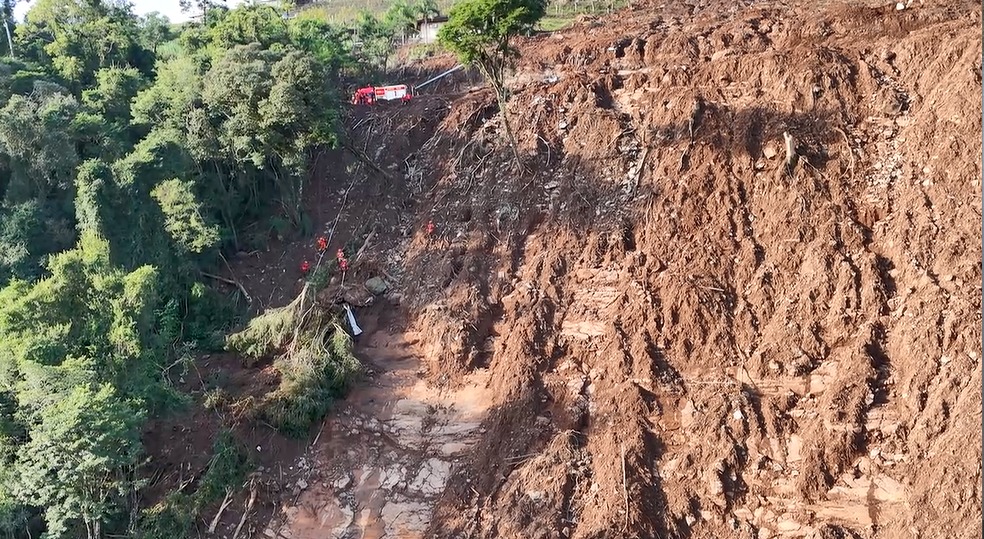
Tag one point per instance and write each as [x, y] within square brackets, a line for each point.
[677, 328]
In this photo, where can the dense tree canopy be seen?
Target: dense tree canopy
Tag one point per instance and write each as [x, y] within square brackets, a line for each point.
[38, 135]
[78, 369]
[133, 154]
[78, 37]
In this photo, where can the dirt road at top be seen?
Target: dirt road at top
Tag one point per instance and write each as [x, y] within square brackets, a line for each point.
[735, 292]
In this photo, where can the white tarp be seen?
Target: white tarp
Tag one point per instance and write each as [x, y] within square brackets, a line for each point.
[356, 330]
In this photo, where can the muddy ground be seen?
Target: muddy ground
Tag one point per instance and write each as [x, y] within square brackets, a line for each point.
[663, 325]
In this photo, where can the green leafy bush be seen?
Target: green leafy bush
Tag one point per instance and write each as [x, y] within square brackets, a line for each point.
[183, 216]
[208, 315]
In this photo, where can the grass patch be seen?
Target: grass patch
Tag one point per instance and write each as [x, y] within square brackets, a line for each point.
[552, 24]
[343, 11]
[560, 15]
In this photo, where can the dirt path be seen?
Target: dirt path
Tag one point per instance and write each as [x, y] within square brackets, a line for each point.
[386, 452]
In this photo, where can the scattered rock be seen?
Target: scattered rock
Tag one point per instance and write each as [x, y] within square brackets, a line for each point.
[377, 285]
[404, 519]
[338, 517]
[432, 477]
[721, 54]
[342, 482]
[392, 477]
[453, 448]
[788, 526]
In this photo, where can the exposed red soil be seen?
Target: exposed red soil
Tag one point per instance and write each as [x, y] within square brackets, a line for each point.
[673, 336]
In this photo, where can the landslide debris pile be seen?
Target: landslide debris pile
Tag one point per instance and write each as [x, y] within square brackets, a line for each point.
[686, 339]
[735, 293]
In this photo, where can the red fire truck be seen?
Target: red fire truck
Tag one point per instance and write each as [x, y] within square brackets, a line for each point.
[371, 94]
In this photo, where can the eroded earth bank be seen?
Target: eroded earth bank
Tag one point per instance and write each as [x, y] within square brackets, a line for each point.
[656, 329]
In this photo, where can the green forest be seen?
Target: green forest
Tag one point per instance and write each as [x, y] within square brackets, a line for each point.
[135, 155]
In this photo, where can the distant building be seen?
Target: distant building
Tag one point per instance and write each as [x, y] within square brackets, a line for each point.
[427, 28]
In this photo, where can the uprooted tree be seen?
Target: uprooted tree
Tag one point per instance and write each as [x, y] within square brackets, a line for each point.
[313, 356]
[479, 32]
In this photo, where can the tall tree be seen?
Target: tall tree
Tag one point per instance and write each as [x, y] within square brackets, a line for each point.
[297, 116]
[200, 8]
[80, 354]
[79, 459]
[106, 112]
[426, 9]
[81, 36]
[265, 110]
[29, 232]
[7, 19]
[172, 96]
[480, 33]
[37, 133]
[401, 18]
[14, 515]
[86, 308]
[376, 39]
[323, 40]
[183, 216]
[155, 29]
[252, 23]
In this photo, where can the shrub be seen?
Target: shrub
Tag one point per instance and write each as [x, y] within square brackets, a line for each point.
[171, 518]
[174, 517]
